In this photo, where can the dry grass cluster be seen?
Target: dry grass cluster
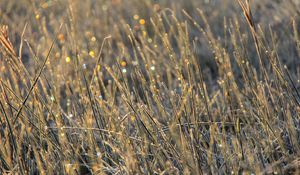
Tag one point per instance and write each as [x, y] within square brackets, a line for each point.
[149, 87]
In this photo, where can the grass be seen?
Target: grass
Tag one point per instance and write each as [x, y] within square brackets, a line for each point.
[149, 87]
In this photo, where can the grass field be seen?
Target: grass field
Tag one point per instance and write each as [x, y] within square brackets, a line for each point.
[149, 87]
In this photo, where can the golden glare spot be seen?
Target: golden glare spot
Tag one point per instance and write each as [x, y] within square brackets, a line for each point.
[98, 67]
[123, 63]
[68, 59]
[92, 54]
[142, 21]
[93, 39]
[61, 37]
[229, 74]
[57, 55]
[37, 16]
[68, 168]
[136, 17]
[144, 33]
[132, 118]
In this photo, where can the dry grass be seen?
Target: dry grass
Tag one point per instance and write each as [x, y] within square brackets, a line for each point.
[146, 87]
